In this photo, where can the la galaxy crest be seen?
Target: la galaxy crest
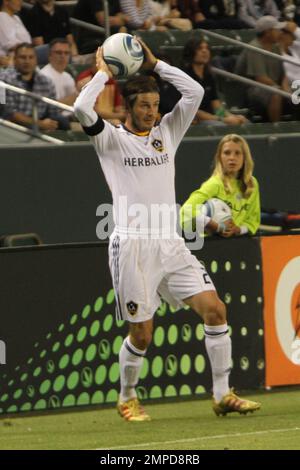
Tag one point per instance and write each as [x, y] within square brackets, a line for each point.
[132, 308]
[158, 145]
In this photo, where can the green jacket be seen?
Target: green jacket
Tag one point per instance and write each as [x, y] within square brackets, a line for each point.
[245, 212]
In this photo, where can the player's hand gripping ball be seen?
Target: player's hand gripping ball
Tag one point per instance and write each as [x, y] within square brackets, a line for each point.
[123, 54]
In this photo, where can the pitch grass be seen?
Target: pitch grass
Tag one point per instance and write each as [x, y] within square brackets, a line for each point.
[184, 425]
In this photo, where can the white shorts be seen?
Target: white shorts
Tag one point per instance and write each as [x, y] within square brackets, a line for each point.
[146, 270]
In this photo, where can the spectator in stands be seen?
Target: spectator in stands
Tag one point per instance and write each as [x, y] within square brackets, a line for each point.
[212, 14]
[92, 11]
[59, 56]
[290, 48]
[188, 9]
[19, 108]
[251, 10]
[264, 69]
[139, 14]
[233, 182]
[152, 15]
[109, 104]
[196, 62]
[166, 14]
[46, 21]
[287, 8]
[12, 30]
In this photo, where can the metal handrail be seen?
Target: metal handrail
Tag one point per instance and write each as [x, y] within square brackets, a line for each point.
[35, 96]
[248, 81]
[237, 43]
[67, 3]
[85, 25]
[106, 18]
[250, 47]
[25, 130]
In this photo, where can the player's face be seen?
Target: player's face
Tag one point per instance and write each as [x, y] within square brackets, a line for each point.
[232, 158]
[144, 111]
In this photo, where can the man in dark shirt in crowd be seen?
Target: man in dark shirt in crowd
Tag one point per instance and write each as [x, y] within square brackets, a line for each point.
[92, 11]
[45, 22]
[212, 14]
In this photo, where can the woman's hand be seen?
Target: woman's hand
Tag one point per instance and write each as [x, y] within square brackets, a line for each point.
[230, 229]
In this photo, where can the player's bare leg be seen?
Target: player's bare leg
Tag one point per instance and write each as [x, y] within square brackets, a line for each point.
[131, 357]
[218, 347]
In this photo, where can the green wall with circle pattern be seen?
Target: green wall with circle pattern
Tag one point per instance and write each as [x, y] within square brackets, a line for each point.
[71, 354]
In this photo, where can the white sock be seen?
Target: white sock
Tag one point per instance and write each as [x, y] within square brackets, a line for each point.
[131, 361]
[218, 347]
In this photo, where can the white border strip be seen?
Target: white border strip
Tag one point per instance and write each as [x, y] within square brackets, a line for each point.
[202, 438]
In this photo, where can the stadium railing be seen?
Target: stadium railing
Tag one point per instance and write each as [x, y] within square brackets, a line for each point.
[244, 45]
[287, 128]
[175, 40]
[171, 43]
[24, 130]
[59, 137]
[34, 130]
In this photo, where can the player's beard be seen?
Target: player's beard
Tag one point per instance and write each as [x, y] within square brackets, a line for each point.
[138, 126]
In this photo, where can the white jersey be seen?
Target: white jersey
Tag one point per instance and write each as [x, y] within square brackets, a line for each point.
[63, 81]
[140, 169]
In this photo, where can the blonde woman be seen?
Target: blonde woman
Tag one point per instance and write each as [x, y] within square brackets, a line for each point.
[233, 182]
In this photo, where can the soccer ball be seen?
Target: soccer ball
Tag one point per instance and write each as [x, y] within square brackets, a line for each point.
[217, 209]
[123, 54]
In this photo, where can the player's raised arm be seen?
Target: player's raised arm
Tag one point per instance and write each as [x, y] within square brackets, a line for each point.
[179, 120]
[85, 102]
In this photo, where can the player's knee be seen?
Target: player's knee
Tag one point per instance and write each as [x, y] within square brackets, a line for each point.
[215, 313]
[142, 338]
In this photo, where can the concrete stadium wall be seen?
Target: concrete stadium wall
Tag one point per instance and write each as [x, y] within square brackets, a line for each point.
[55, 191]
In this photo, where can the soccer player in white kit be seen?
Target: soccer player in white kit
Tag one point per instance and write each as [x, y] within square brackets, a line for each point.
[148, 260]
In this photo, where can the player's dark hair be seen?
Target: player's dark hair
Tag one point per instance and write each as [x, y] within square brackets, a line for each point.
[136, 85]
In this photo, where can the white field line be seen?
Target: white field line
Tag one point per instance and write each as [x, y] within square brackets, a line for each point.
[203, 438]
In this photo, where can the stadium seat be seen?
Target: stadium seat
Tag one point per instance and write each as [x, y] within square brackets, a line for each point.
[20, 239]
